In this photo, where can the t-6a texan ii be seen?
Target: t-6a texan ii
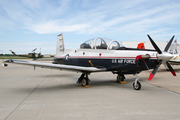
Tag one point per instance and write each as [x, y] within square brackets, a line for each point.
[104, 55]
[29, 55]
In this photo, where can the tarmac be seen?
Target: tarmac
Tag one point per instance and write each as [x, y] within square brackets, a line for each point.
[45, 94]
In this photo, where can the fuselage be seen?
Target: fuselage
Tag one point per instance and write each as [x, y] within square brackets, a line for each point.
[113, 60]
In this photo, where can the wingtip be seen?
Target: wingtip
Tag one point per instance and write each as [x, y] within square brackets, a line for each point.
[4, 65]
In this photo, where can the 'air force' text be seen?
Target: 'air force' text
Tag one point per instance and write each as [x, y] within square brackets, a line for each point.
[125, 61]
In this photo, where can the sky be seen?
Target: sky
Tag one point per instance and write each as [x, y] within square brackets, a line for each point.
[29, 24]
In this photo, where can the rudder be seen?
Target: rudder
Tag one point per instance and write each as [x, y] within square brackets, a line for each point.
[60, 45]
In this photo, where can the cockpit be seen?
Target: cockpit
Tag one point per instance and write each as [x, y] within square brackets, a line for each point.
[101, 43]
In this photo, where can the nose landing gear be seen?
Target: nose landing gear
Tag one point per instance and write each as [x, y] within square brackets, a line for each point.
[136, 84]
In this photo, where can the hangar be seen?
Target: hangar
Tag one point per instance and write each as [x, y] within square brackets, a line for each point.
[148, 45]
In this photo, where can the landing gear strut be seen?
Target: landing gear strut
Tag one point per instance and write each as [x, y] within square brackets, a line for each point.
[136, 84]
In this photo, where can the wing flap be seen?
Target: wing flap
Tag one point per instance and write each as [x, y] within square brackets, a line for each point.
[57, 66]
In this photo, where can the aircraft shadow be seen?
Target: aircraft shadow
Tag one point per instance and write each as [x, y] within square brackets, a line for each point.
[176, 70]
[57, 76]
[74, 86]
[164, 70]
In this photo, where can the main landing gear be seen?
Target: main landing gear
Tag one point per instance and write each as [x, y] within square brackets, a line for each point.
[84, 80]
[120, 78]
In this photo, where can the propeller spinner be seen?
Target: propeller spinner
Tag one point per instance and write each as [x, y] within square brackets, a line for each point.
[162, 57]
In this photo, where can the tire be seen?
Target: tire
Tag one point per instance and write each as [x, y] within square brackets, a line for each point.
[84, 82]
[138, 86]
[119, 78]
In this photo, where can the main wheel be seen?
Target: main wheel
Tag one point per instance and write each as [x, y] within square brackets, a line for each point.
[120, 78]
[84, 82]
[137, 86]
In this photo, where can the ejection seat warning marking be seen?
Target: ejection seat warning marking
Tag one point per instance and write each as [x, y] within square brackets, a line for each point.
[125, 61]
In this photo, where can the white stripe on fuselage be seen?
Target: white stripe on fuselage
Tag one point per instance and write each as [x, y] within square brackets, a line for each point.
[109, 54]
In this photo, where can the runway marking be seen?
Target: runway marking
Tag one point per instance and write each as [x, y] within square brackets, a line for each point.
[28, 96]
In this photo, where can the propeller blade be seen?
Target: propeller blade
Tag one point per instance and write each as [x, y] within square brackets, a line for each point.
[169, 44]
[171, 69]
[154, 71]
[154, 45]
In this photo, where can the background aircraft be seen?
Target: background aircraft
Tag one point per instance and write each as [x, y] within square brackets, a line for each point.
[29, 55]
[104, 55]
[175, 60]
[176, 56]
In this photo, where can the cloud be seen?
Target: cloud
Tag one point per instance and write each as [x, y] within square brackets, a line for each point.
[41, 20]
[83, 17]
[57, 26]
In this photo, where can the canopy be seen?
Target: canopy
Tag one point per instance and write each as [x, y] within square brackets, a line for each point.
[101, 43]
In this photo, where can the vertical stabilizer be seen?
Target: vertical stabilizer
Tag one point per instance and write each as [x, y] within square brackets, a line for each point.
[173, 48]
[60, 45]
[13, 52]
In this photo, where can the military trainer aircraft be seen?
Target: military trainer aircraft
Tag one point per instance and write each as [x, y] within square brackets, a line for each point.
[29, 55]
[104, 55]
[174, 51]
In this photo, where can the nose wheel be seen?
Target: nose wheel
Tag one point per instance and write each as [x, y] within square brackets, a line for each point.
[136, 84]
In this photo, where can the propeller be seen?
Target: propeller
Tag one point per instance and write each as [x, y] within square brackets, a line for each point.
[154, 45]
[162, 56]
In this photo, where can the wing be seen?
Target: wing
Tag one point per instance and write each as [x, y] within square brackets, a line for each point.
[57, 66]
[172, 62]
